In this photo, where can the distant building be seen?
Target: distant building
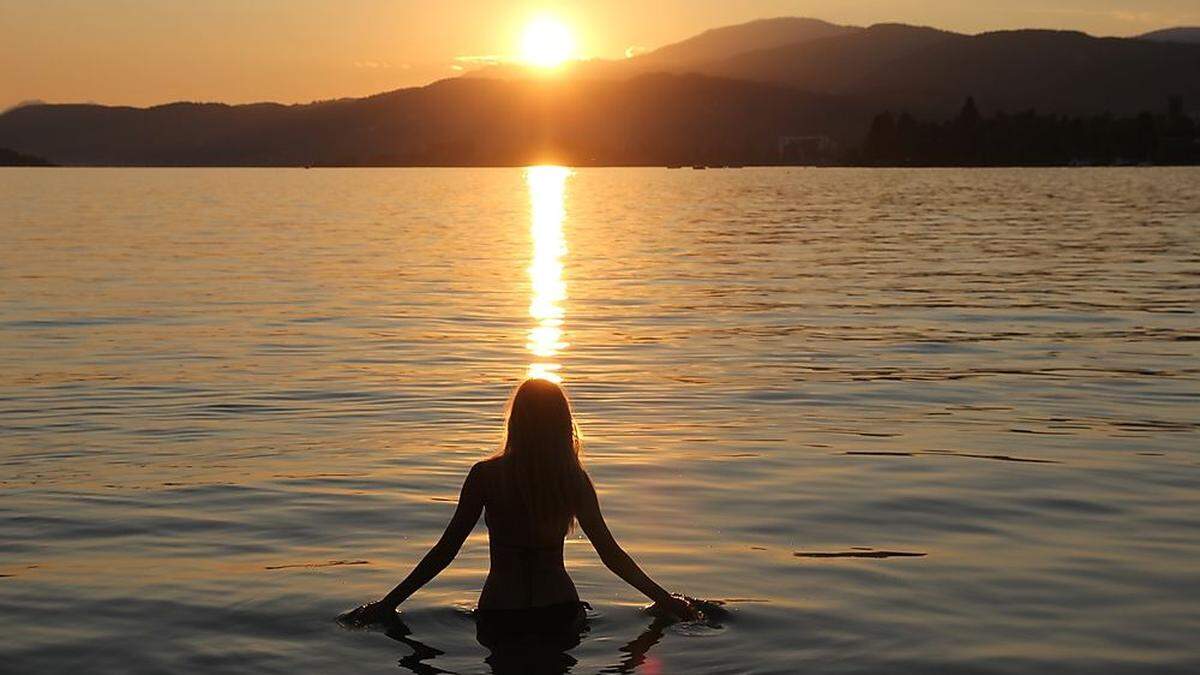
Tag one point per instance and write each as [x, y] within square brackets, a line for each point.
[807, 149]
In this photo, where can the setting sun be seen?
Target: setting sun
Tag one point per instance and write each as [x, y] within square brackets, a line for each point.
[546, 43]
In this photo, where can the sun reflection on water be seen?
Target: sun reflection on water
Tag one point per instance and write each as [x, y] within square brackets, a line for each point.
[547, 187]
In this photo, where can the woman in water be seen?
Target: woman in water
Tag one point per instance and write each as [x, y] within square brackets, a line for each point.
[532, 492]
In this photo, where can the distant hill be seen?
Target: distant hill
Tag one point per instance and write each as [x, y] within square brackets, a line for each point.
[722, 43]
[1184, 34]
[23, 104]
[14, 158]
[691, 54]
[650, 119]
[931, 71]
[841, 64]
[928, 69]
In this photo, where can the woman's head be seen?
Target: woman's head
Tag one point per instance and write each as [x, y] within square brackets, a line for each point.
[541, 445]
[539, 419]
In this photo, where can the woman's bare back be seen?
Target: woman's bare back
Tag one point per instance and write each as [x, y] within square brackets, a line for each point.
[527, 568]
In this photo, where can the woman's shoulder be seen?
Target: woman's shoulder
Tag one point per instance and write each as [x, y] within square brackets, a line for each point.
[487, 467]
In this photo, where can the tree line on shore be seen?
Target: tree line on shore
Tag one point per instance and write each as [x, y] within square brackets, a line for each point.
[1031, 139]
[13, 158]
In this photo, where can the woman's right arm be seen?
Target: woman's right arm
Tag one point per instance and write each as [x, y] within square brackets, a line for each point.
[466, 514]
[615, 558]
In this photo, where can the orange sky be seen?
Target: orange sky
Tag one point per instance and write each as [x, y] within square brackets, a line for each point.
[142, 52]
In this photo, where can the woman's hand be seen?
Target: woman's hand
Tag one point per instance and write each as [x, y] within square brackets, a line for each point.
[375, 612]
[677, 606]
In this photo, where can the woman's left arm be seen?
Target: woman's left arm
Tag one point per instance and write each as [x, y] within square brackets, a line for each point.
[470, 506]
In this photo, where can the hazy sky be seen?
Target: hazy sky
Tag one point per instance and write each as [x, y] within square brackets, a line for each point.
[141, 52]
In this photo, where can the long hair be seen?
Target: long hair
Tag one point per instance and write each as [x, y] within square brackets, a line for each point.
[541, 447]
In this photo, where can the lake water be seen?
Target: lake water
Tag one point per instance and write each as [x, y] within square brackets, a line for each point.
[217, 383]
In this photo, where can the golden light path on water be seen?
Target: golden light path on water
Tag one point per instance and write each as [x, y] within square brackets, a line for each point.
[547, 188]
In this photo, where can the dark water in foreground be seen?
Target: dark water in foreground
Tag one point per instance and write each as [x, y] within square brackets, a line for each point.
[216, 384]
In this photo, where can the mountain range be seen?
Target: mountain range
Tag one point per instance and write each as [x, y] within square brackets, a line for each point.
[1185, 34]
[727, 95]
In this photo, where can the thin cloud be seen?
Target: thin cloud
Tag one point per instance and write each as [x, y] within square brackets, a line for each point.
[1144, 19]
[1154, 18]
[483, 60]
[379, 65]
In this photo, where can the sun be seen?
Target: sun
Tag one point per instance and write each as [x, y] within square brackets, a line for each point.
[546, 43]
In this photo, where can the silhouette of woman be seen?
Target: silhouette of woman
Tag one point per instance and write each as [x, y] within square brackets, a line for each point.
[532, 490]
